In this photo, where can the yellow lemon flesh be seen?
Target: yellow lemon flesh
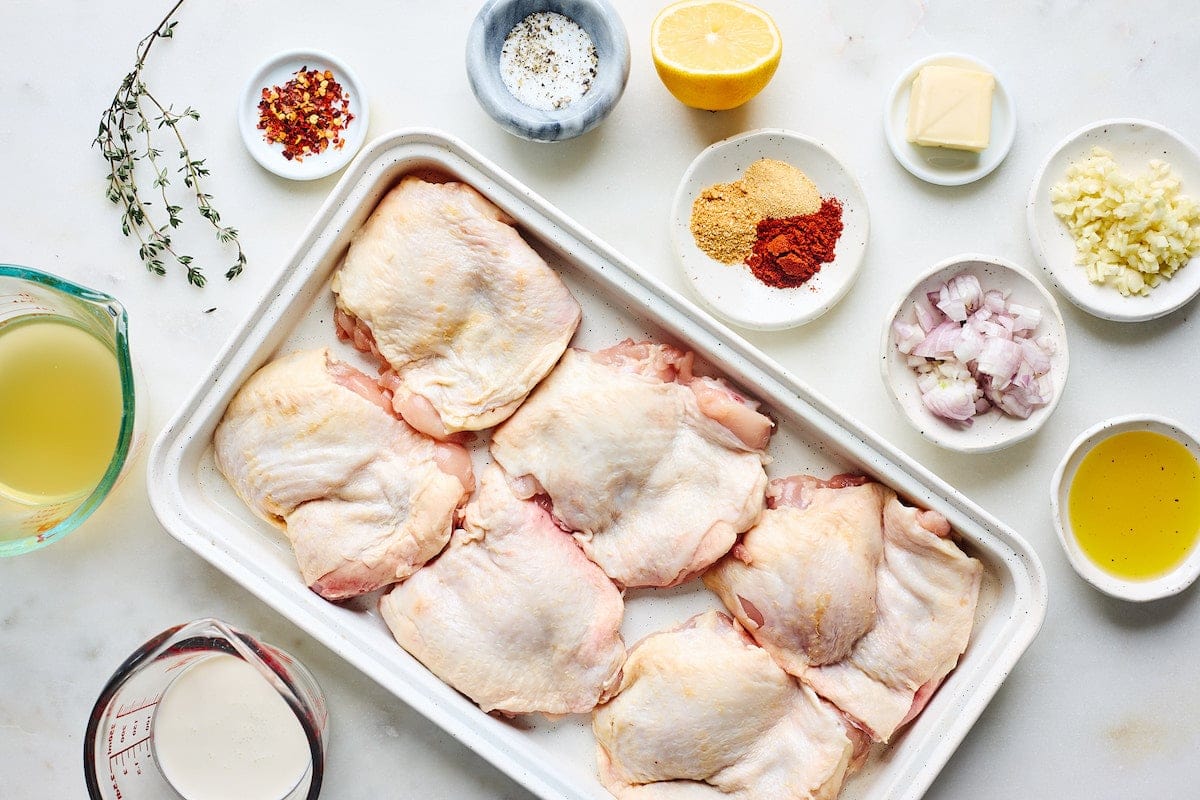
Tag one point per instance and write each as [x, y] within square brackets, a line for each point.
[714, 54]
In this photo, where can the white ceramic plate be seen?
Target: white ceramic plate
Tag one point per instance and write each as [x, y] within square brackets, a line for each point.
[1133, 143]
[277, 71]
[1166, 585]
[731, 290]
[938, 164]
[992, 430]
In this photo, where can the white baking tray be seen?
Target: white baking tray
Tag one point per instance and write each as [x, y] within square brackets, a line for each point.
[556, 759]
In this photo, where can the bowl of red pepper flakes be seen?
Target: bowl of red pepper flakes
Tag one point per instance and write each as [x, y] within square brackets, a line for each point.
[790, 270]
[303, 114]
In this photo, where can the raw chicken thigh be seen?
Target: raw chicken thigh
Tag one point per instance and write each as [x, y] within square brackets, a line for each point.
[513, 615]
[856, 594]
[311, 445]
[802, 580]
[439, 284]
[704, 713]
[927, 594]
[654, 469]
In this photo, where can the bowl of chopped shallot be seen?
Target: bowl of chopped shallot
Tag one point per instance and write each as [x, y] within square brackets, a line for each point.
[975, 354]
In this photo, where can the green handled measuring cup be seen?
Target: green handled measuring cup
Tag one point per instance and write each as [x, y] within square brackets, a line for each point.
[38, 309]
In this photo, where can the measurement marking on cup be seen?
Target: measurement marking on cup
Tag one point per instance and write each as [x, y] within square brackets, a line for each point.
[150, 704]
[129, 739]
[120, 753]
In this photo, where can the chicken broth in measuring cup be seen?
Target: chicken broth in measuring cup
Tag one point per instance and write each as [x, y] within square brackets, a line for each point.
[68, 422]
[52, 446]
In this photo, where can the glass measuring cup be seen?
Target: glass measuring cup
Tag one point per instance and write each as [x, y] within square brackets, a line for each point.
[120, 759]
[29, 521]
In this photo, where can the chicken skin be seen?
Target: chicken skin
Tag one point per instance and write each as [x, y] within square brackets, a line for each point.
[803, 580]
[513, 614]
[928, 590]
[439, 284]
[703, 713]
[655, 470]
[311, 445]
[863, 598]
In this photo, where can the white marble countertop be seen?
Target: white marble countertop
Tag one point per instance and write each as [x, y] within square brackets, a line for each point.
[1104, 703]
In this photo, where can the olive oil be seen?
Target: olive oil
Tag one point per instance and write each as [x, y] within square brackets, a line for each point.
[60, 410]
[1134, 504]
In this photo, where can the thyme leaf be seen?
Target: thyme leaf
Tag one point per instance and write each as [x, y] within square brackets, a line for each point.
[127, 135]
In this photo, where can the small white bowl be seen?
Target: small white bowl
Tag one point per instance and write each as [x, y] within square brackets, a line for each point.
[1133, 143]
[486, 38]
[1166, 585]
[992, 430]
[940, 165]
[277, 71]
[730, 290]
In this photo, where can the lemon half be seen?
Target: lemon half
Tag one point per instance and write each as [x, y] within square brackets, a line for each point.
[714, 54]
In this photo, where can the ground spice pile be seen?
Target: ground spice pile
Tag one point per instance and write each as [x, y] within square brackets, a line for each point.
[790, 250]
[777, 189]
[772, 219]
[306, 115]
[724, 222]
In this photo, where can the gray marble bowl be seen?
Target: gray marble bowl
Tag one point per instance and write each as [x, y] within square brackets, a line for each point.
[601, 22]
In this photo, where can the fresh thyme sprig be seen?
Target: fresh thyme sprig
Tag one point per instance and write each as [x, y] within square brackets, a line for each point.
[126, 137]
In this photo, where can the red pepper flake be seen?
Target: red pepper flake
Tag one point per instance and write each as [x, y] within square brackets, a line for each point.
[790, 250]
[306, 115]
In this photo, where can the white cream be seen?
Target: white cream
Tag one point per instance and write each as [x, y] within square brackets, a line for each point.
[221, 731]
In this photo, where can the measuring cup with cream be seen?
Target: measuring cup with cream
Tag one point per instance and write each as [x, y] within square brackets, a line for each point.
[67, 414]
[205, 712]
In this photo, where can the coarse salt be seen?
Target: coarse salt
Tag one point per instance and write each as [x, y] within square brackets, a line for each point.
[548, 61]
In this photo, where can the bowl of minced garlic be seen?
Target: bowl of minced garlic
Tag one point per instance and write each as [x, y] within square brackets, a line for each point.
[1114, 218]
[764, 246]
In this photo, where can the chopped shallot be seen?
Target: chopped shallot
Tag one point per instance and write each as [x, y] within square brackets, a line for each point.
[926, 313]
[959, 296]
[908, 335]
[973, 350]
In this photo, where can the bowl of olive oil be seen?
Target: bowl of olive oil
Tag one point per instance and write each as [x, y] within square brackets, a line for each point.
[1126, 503]
[67, 405]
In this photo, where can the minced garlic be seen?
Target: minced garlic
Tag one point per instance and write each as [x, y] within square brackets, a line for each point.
[1130, 233]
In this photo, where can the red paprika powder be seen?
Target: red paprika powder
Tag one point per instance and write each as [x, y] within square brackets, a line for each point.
[790, 250]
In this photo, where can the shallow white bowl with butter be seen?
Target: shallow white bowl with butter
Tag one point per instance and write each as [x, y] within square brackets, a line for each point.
[1165, 585]
[1133, 143]
[992, 430]
[941, 165]
[731, 291]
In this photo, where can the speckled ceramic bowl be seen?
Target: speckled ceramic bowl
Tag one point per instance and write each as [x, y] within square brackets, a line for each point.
[493, 23]
[277, 71]
[730, 290]
[1168, 583]
[992, 430]
[1132, 142]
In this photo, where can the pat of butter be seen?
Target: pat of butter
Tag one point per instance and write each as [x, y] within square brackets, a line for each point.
[951, 107]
